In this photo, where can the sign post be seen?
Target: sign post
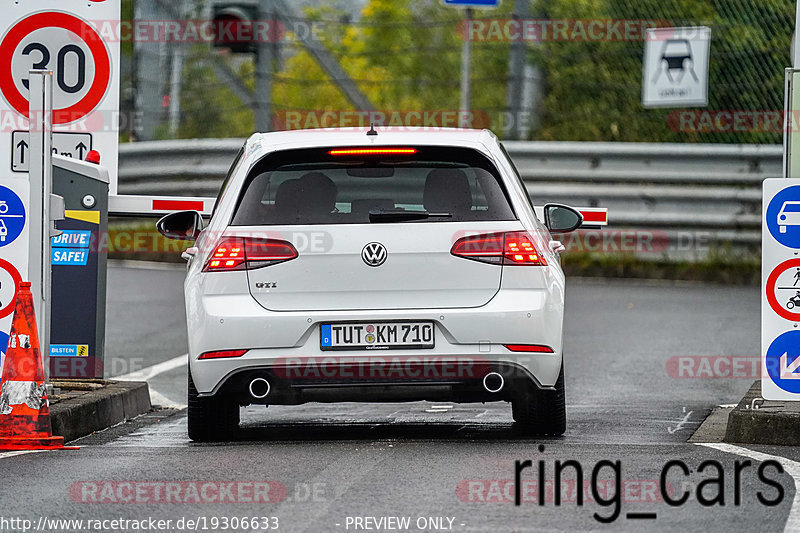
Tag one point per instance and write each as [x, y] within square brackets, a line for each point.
[466, 48]
[41, 182]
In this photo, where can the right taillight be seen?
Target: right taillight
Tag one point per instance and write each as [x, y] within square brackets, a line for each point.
[248, 253]
[511, 248]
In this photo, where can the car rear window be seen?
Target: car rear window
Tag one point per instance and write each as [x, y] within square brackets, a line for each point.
[312, 186]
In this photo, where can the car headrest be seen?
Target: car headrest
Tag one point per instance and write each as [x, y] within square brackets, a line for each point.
[287, 200]
[318, 193]
[447, 190]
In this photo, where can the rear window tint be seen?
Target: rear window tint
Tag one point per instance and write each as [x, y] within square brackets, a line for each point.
[313, 187]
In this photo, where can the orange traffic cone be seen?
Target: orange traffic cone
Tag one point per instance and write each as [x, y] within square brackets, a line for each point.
[24, 411]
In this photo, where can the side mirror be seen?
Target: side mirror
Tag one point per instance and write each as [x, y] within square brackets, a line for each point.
[561, 218]
[182, 226]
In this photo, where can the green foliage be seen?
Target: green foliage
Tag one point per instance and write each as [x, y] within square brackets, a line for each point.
[405, 56]
[210, 108]
[594, 89]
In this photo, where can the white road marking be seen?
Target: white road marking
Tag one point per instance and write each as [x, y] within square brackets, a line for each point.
[4, 455]
[434, 408]
[153, 371]
[790, 467]
[146, 374]
[156, 398]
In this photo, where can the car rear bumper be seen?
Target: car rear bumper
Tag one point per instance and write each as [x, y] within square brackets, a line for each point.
[455, 380]
[479, 334]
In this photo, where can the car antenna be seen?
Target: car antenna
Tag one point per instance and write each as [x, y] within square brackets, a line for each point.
[372, 131]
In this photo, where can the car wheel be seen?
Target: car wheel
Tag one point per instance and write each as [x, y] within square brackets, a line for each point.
[541, 412]
[211, 419]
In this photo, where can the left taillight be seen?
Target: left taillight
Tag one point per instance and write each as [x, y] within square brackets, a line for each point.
[510, 248]
[248, 253]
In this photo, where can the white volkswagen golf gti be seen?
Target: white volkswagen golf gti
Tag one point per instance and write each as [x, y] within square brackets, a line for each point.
[374, 266]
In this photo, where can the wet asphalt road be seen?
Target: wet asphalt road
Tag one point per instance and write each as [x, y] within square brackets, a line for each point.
[338, 463]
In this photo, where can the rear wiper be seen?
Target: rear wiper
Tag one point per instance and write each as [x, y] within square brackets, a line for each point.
[401, 215]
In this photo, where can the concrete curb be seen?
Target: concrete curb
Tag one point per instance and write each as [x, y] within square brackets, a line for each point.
[99, 409]
[758, 421]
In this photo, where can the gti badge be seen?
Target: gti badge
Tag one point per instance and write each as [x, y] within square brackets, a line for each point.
[374, 254]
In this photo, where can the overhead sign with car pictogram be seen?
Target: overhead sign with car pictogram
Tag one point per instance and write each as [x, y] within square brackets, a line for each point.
[780, 303]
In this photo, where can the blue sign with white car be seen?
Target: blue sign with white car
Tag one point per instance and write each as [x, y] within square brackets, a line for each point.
[12, 216]
[783, 217]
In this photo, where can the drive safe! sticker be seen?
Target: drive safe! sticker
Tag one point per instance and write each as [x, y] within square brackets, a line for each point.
[71, 248]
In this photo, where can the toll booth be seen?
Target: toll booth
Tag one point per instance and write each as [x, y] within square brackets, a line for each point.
[79, 257]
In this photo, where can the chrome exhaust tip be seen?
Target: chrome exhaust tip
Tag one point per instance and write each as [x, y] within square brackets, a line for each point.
[259, 388]
[493, 382]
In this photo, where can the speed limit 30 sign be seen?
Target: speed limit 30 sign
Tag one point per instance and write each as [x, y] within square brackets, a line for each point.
[47, 41]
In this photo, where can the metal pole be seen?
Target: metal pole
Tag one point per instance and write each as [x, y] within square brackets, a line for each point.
[176, 85]
[263, 94]
[516, 75]
[40, 116]
[466, 60]
[796, 43]
[149, 82]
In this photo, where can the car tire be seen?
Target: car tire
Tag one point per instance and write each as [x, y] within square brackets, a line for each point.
[541, 412]
[211, 419]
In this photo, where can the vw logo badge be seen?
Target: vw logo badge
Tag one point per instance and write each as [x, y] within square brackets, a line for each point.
[374, 254]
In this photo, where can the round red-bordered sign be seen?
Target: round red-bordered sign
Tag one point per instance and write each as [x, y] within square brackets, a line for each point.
[772, 280]
[8, 267]
[56, 19]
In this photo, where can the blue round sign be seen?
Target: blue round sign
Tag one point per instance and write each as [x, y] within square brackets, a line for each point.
[783, 361]
[12, 216]
[783, 217]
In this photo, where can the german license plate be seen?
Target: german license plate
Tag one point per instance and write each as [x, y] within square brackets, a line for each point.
[376, 335]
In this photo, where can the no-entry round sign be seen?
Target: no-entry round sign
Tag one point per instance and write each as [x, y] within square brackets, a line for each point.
[783, 290]
[9, 286]
[65, 44]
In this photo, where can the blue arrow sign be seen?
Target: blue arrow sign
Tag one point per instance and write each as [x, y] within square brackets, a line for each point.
[783, 361]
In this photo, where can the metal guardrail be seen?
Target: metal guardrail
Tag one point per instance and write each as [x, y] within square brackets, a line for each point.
[709, 190]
